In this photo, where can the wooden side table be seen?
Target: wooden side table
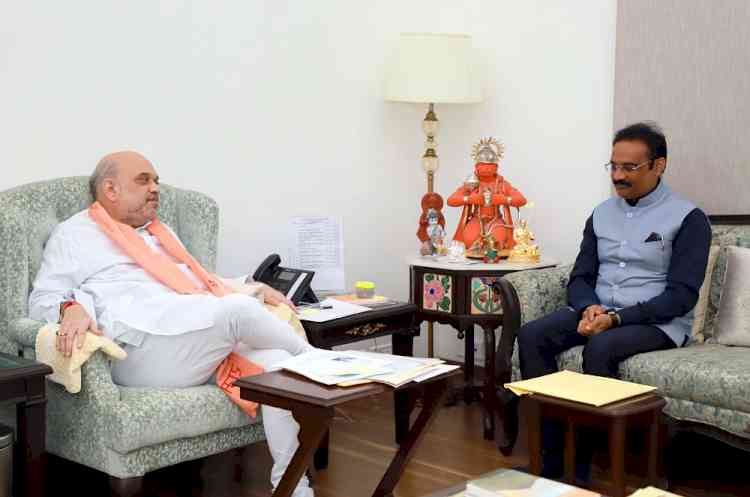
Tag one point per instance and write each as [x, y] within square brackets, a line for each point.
[393, 318]
[643, 410]
[23, 381]
[462, 295]
[312, 405]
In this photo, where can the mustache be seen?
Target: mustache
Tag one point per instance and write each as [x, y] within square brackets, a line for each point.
[622, 182]
[153, 197]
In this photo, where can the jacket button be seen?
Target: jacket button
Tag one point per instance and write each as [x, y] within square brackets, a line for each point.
[622, 264]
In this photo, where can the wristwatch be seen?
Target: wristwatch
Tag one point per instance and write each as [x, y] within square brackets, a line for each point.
[616, 321]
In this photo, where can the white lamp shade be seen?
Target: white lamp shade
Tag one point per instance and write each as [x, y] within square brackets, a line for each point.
[433, 68]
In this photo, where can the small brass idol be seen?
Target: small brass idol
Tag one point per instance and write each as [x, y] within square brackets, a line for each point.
[523, 250]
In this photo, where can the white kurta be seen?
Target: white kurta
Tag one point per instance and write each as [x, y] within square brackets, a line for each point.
[80, 262]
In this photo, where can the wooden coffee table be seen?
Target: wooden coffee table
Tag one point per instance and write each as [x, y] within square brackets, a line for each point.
[641, 411]
[312, 405]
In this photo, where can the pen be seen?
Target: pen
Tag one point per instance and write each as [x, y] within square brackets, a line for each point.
[316, 306]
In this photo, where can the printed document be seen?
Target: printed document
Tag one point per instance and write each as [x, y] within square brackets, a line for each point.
[317, 244]
[329, 309]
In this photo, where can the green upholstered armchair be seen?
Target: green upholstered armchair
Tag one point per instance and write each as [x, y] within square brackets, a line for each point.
[122, 431]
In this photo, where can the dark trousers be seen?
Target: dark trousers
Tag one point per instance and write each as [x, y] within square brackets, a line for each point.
[539, 343]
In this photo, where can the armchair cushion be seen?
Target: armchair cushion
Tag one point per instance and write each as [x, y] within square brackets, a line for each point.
[732, 325]
[149, 416]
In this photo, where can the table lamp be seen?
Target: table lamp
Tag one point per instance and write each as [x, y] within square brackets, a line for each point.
[432, 68]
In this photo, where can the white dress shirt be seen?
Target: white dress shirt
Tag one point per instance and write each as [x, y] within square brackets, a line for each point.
[81, 263]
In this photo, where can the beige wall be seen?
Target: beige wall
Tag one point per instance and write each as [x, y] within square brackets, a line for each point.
[686, 65]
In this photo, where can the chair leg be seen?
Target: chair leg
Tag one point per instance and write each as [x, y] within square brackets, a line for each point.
[126, 487]
[509, 421]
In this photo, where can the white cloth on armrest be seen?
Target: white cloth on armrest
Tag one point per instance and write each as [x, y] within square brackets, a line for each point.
[67, 370]
[239, 285]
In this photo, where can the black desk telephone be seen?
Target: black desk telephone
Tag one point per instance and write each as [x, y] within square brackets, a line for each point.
[294, 283]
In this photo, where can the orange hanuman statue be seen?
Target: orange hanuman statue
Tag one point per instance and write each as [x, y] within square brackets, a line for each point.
[486, 220]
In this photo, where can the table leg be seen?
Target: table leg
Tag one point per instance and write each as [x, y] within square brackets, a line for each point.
[313, 425]
[403, 343]
[489, 390]
[403, 404]
[617, 455]
[30, 460]
[434, 392]
[535, 437]
[430, 339]
[320, 459]
[469, 363]
[570, 453]
[465, 391]
[653, 449]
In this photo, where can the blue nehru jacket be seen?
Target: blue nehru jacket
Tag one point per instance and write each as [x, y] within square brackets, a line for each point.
[645, 259]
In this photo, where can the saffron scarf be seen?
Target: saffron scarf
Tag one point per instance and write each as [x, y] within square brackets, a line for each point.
[165, 271]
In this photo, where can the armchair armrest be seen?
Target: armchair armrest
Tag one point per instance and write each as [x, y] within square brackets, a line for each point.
[525, 296]
[529, 295]
[24, 331]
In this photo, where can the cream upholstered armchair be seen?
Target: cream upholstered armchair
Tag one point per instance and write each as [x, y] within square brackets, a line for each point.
[122, 431]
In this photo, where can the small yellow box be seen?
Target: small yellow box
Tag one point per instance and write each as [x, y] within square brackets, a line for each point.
[364, 289]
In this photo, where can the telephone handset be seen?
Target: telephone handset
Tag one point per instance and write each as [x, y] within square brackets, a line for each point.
[294, 283]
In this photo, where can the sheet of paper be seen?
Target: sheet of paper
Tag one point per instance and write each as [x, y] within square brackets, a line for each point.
[330, 309]
[435, 371]
[400, 369]
[317, 244]
[584, 388]
[653, 492]
[331, 367]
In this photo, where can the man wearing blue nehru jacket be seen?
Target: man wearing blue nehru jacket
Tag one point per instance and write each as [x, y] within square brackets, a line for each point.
[634, 283]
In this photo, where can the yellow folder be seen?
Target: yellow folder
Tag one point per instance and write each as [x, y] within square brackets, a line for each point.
[587, 389]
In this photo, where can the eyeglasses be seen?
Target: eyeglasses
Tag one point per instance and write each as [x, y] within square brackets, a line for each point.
[628, 168]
